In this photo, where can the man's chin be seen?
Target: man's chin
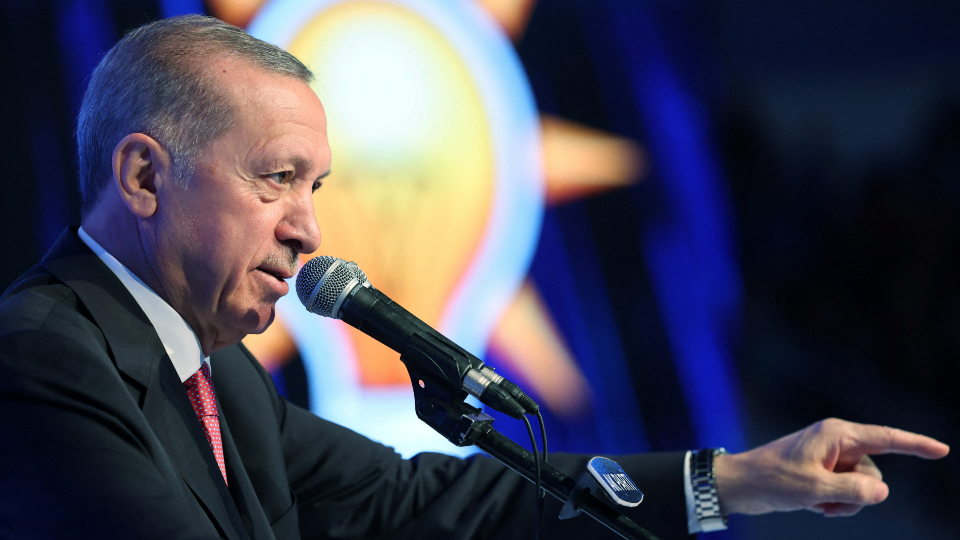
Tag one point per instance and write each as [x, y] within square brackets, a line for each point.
[266, 325]
[254, 321]
[263, 320]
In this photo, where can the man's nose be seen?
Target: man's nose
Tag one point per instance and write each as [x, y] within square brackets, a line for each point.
[299, 228]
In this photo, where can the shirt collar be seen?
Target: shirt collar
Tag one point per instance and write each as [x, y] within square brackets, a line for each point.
[179, 340]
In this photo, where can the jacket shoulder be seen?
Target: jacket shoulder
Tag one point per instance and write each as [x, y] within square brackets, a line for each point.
[38, 302]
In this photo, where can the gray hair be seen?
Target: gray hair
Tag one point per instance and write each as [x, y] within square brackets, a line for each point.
[152, 82]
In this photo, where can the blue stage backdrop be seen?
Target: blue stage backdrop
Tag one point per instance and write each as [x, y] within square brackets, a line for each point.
[677, 224]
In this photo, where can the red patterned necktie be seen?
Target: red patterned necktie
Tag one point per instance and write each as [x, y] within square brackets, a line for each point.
[204, 402]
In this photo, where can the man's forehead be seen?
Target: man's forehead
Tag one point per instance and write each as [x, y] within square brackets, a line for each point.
[247, 84]
[278, 121]
[264, 100]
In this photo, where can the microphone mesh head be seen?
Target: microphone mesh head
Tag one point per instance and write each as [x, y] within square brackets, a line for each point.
[361, 277]
[333, 276]
[310, 275]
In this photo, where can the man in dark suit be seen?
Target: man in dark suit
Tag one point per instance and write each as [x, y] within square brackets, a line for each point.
[132, 411]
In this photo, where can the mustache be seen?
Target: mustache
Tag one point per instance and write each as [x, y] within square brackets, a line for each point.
[287, 259]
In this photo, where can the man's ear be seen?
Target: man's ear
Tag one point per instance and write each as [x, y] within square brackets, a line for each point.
[141, 168]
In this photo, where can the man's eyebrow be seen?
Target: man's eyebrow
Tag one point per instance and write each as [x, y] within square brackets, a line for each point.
[307, 164]
[301, 163]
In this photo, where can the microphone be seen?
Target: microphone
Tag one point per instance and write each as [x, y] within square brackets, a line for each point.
[332, 287]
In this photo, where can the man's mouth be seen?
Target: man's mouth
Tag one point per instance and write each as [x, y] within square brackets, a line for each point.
[273, 273]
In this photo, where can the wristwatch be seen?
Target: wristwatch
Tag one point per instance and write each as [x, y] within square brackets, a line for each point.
[706, 502]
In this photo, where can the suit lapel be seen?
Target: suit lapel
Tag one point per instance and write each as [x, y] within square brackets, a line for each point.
[139, 354]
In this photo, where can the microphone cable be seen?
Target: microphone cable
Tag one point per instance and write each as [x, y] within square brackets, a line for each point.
[539, 492]
[542, 494]
[543, 434]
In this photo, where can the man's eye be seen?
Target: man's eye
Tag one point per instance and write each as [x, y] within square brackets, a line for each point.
[280, 177]
[317, 185]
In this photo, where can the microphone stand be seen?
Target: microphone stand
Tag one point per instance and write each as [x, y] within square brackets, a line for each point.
[463, 425]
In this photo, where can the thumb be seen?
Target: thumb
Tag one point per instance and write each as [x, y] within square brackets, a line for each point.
[852, 488]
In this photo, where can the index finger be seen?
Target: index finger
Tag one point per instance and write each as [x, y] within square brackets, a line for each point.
[871, 439]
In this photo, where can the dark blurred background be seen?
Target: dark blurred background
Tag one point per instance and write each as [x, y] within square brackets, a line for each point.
[828, 135]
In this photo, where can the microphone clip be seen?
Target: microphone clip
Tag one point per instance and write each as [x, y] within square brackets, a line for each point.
[458, 422]
[442, 372]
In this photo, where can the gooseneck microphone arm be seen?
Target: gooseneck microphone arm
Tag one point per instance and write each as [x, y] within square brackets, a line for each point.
[442, 375]
[557, 483]
[464, 425]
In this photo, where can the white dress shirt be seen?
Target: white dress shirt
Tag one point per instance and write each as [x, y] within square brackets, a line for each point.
[179, 340]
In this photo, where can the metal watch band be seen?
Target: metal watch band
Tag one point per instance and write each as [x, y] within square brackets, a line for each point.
[706, 502]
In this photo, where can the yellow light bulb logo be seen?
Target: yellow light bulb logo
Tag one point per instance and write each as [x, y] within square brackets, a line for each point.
[436, 189]
[413, 170]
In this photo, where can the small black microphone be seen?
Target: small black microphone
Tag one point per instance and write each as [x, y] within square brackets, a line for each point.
[334, 288]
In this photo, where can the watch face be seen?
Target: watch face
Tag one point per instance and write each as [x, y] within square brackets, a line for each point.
[614, 481]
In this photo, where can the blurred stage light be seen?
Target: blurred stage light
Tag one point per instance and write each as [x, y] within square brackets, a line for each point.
[436, 189]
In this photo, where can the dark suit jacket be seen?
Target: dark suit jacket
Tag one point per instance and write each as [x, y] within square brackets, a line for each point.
[98, 440]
